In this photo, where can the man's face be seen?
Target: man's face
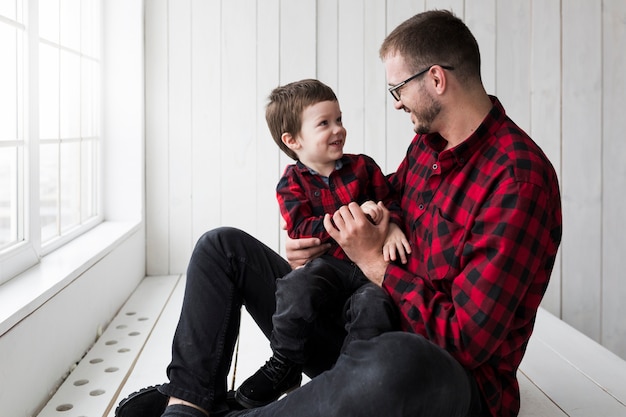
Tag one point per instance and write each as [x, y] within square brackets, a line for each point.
[415, 96]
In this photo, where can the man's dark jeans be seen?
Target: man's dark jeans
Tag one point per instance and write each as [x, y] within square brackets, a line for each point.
[393, 374]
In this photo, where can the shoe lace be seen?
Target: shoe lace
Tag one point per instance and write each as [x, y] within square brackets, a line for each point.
[275, 369]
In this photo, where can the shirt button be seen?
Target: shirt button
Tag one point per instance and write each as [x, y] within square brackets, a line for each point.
[316, 193]
[435, 166]
[421, 207]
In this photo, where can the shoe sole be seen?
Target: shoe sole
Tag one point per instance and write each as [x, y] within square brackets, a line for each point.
[250, 403]
[147, 402]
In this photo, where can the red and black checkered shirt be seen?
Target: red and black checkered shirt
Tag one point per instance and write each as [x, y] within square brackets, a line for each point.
[305, 197]
[484, 221]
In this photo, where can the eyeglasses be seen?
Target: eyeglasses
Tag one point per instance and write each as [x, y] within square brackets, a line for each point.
[395, 89]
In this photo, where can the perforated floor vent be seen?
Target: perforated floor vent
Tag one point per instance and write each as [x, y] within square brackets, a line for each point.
[92, 387]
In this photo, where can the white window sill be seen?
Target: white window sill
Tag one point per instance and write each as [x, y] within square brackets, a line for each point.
[23, 294]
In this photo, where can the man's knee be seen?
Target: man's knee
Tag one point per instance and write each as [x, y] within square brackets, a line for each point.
[400, 359]
[392, 357]
[406, 371]
[220, 235]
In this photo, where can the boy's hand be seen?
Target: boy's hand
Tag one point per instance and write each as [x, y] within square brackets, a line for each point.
[373, 211]
[396, 244]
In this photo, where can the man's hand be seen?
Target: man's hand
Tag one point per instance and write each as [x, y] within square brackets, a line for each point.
[360, 239]
[301, 251]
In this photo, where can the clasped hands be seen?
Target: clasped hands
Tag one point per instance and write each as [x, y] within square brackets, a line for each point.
[365, 235]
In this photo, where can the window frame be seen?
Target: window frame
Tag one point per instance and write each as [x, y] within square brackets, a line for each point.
[28, 250]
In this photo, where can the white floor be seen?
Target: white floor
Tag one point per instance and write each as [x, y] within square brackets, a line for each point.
[563, 373]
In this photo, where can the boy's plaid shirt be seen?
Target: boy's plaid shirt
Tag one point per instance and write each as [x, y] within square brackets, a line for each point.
[304, 197]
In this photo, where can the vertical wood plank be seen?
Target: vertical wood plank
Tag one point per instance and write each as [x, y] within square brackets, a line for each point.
[157, 173]
[327, 50]
[238, 125]
[206, 113]
[350, 71]
[267, 78]
[512, 59]
[399, 127]
[582, 165]
[374, 85]
[297, 51]
[180, 133]
[298, 36]
[455, 6]
[613, 333]
[545, 106]
[480, 17]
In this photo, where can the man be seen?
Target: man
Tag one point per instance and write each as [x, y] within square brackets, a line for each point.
[483, 216]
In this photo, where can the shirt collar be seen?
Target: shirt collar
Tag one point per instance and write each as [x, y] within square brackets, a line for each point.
[463, 151]
[339, 163]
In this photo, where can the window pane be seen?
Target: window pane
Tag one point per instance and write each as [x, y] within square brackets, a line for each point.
[11, 125]
[90, 38]
[89, 179]
[69, 118]
[69, 98]
[70, 185]
[49, 20]
[70, 24]
[8, 83]
[48, 92]
[90, 109]
[8, 9]
[49, 191]
[11, 206]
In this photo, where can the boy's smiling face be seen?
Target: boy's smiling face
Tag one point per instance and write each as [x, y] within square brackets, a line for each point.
[319, 144]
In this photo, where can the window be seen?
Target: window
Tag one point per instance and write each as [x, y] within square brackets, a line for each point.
[49, 126]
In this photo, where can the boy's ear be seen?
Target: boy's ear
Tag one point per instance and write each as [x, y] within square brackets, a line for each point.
[290, 141]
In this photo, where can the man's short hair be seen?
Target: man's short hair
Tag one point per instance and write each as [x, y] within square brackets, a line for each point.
[435, 37]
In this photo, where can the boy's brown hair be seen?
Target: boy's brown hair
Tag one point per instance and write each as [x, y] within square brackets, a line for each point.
[286, 104]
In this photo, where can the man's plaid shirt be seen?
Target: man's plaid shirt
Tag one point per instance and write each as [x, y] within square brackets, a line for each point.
[484, 222]
[305, 197]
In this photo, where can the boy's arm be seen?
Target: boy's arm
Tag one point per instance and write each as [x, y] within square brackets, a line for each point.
[296, 209]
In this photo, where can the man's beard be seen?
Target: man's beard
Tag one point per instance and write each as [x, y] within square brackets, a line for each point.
[424, 118]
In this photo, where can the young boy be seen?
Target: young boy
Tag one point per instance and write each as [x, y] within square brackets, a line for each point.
[304, 118]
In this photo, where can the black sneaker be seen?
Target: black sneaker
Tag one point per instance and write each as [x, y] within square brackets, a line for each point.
[147, 402]
[278, 376]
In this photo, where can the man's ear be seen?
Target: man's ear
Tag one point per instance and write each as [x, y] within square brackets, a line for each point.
[439, 78]
[290, 141]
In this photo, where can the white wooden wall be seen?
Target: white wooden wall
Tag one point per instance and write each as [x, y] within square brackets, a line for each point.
[559, 67]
